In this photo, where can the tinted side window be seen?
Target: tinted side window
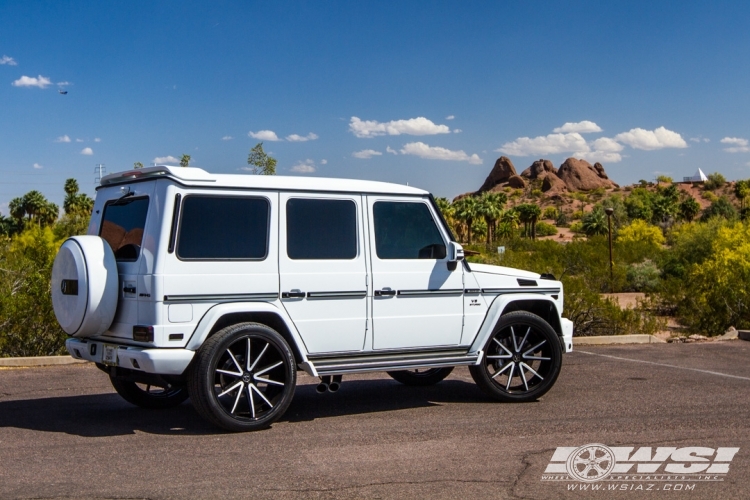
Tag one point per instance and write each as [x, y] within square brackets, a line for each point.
[214, 227]
[406, 231]
[321, 229]
[122, 227]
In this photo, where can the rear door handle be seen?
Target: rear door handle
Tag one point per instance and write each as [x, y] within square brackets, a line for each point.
[293, 295]
[385, 293]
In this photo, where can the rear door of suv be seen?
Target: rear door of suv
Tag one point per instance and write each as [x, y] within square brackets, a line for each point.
[323, 269]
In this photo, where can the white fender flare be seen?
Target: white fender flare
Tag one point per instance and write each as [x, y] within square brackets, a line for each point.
[496, 310]
[207, 322]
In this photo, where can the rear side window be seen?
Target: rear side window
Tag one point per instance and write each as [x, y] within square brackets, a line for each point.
[321, 229]
[220, 228]
[406, 231]
[122, 227]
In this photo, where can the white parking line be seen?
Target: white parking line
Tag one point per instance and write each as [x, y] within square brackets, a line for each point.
[666, 366]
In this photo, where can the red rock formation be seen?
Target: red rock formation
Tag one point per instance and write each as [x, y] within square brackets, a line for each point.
[501, 172]
[580, 175]
[539, 168]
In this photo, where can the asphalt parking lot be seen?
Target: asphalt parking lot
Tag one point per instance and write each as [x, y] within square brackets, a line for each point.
[64, 433]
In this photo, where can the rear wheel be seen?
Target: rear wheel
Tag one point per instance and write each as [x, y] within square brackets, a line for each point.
[243, 377]
[149, 396]
[421, 376]
[522, 359]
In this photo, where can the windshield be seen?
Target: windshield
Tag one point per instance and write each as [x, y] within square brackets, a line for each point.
[122, 227]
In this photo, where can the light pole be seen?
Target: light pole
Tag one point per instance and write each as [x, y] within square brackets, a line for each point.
[609, 211]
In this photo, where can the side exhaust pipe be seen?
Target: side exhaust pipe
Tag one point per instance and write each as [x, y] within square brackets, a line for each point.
[335, 384]
[324, 384]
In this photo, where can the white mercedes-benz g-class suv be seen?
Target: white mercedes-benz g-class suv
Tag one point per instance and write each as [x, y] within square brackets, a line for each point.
[221, 287]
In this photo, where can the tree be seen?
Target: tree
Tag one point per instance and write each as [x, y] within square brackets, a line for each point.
[742, 192]
[185, 160]
[529, 213]
[641, 231]
[466, 211]
[138, 165]
[689, 208]
[262, 163]
[715, 181]
[595, 222]
[490, 206]
[75, 202]
[664, 178]
[720, 208]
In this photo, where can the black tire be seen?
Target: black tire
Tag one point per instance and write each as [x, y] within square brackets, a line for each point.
[421, 376]
[149, 396]
[522, 359]
[221, 377]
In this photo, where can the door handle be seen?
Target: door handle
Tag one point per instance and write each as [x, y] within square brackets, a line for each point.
[385, 293]
[293, 295]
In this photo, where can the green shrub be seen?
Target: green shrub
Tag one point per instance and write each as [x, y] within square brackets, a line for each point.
[550, 213]
[715, 181]
[545, 229]
[643, 277]
[576, 227]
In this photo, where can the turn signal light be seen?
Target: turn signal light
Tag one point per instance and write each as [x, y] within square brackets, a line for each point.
[143, 333]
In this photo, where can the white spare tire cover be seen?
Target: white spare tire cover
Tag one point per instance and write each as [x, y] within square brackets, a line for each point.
[85, 286]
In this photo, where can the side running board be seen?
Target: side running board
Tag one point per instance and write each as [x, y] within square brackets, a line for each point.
[375, 363]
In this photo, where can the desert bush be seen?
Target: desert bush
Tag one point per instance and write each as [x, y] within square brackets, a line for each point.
[721, 207]
[715, 181]
[640, 230]
[550, 213]
[545, 229]
[643, 276]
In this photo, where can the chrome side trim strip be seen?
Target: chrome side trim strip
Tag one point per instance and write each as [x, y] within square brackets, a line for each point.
[226, 297]
[386, 365]
[520, 290]
[337, 295]
[457, 291]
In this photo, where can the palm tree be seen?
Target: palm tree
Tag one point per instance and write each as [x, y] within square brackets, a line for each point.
[595, 222]
[529, 213]
[490, 206]
[466, 211]
[448, 211]
[185, 160]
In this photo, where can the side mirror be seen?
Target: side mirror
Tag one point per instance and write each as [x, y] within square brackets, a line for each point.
[455, 252]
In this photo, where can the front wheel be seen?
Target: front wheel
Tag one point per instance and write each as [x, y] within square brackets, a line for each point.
[149, 396]
[243, 377]
[522, 359]
[421, 376]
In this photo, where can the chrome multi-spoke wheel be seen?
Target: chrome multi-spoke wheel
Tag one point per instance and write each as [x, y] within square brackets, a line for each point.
[243, 378]
[522, 358]
[149, 396]
[421, 376]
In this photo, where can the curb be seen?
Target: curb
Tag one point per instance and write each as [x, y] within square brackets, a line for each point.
[743, 334]
[640, 338]
[40, 361]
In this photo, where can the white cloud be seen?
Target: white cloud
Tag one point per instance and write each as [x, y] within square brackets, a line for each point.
[9, 61]
[457, 130]
[301, 138]
[366, 154]
[63, 138]
[166, 160]
[29, 81]
[304, 167]
[449, 117]
[700, 139]
[605, 144]
[391, 150]
[264, 135]
[227, 138]
[648, 140]
[79, 140]
[4, 208]
[38, 166]
[584, 127]
[413, 126]
[422, 150]
[87, 151]
[324, 162]
[599, 156]
[96, 139]
[740, 145]
[544, 145]
[63, 84]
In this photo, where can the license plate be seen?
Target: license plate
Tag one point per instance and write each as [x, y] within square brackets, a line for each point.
[109, 355]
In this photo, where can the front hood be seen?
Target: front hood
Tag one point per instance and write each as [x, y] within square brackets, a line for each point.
[500, 270]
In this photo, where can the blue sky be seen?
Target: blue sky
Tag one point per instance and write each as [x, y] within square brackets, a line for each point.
[429, 93]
